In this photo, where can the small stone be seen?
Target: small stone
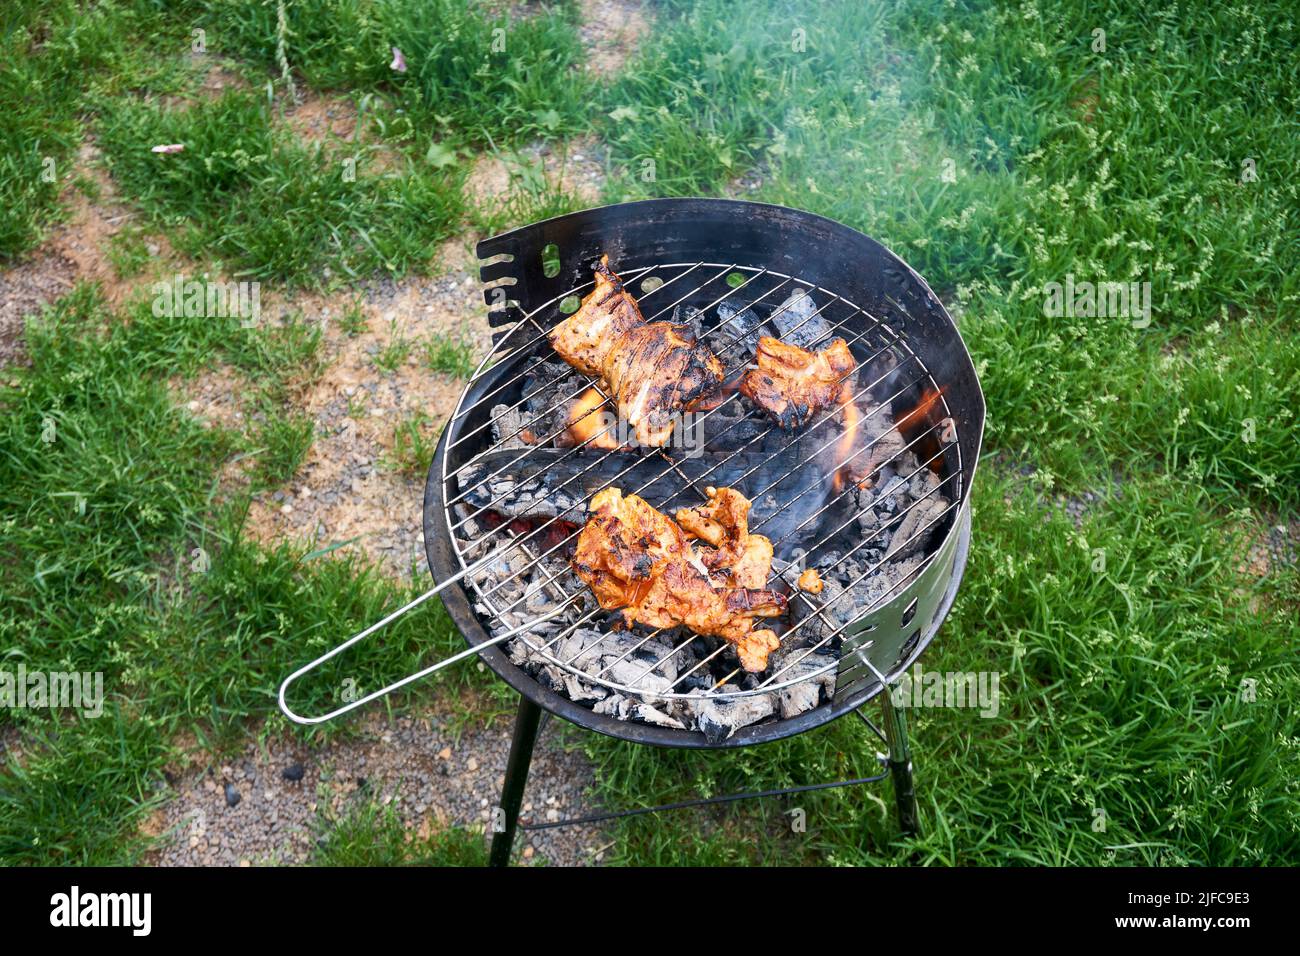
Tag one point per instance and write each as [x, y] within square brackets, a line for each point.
[472, 765]
[293, 772]
[528, 853]
[444, 753]
[286, 508]
[232, 796]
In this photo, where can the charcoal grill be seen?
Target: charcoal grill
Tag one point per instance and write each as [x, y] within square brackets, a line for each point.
[694, 253]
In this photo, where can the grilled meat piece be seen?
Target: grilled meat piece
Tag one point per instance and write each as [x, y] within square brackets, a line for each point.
[639, 560]
[742, 559]
[586, 338]
[810, 581]
[654, 370]
[793, 384]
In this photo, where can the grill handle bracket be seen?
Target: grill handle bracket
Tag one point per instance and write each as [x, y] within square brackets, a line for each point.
[408, 679]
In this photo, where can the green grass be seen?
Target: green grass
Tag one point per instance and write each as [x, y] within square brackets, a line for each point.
[395, 351]
[57, 54]
[373, 835]
[1115, 679]
[451, 356]
[128, 252]
[269, 207]
[532, 193]
[107, 493]
[353, 320]
[470, 76]
[414, 440]
[1110, 680]
[284, 441]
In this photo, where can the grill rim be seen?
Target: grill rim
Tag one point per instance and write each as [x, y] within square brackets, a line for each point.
[607, 225]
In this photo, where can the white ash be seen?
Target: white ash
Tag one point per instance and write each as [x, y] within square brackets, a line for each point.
[799, 323]
[736, 333]
[524, 587]
[719, 715]
[509, 423]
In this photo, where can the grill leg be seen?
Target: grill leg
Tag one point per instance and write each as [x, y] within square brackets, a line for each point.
[900, 764]
[512, 794]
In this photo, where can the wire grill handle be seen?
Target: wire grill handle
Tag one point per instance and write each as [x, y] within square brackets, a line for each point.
[410, 678]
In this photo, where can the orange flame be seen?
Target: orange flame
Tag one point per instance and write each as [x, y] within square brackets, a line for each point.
[921, 412]
[587, 421]
[849, 416]
[917, 419]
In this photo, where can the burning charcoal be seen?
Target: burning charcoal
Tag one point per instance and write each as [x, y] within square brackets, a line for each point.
[923, 483]
[523, 655]
[537, 600]
[581, 650]
[892, 497]
[819, 616]
[689, 315]
[796, 323]
[508, 424]
[737, 324]
[917, 525]
[548, 482]
[797, 699]
[549, 388]
[877, 444]
[632, 673]
[720, 716]
[613, 706]
[807, 693]
[730, 426]
[799, 664]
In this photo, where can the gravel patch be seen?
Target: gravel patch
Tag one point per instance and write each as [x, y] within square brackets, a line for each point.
[73, 250]
[611, 31]
[348, 486]
[261, 806]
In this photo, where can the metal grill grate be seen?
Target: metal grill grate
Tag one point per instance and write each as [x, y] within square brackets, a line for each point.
[875, 345]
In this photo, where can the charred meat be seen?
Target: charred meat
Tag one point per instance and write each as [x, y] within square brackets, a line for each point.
[586, 338]
[736, 556]
[656, 372]
[653, 370]
[793, 384]
[638, 560]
